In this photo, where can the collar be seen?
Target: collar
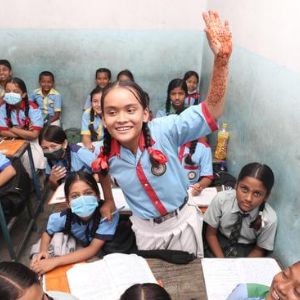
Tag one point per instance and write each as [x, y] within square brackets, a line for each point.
[51, 92]
[235, 208]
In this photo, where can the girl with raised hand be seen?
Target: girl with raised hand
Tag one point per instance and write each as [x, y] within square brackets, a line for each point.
[81, 220]
[142, 156]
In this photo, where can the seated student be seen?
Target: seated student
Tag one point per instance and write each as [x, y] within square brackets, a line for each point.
[18, 282]
[102, 79]
[7, 171]
[192, 80]
[62, 157]
[82, 220]
[125, 75]
[177, 91]
[145, 291]
[21, 118]
[196, 160]
[91, 124]
[239, 222]
[48, 99]
[5, 72]
[285, 286]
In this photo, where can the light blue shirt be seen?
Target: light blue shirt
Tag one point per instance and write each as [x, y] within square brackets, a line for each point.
[4, 162]
[81, 230]
[48, 104]
[168, 134]
[97, 124]
[203, 162]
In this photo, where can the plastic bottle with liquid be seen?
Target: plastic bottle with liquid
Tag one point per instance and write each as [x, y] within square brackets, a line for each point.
[222, 143]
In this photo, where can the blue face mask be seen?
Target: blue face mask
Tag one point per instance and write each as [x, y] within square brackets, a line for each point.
[84, 206]
[12, 98]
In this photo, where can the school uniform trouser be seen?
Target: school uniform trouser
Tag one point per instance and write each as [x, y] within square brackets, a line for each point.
[182, 232]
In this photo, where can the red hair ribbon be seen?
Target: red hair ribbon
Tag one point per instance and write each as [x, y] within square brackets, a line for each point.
[157, 155]
[100, 163]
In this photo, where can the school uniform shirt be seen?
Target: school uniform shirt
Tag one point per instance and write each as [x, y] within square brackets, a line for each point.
[81, 159]
[201, 157]
[149, 195]
[18, 117]
[4, 162]
[249, 291]
[97, 124]
[48, 104]
[82, 230]
[192, 99]
[222, 214]
[162, 112]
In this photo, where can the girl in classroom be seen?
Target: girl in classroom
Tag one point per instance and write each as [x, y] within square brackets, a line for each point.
[62, 157]
[125, 75]
[192, 81]
[285, 286]
[5, 72]
[196, 160]
[21, 118]
[239, 222]
[142, 156]
[177, 91]
[91, 124]
[81, 220]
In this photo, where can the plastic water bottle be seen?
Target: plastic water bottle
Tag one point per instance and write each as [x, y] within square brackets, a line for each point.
[222, 143]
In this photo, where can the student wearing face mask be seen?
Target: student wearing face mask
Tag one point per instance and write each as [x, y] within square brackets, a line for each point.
[62, 157]
[81, 220]
[285, 286]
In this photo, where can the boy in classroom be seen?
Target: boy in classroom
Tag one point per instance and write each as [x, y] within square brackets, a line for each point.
[192, 80]
[196, 160]
[240, 223]
[285, 286]
[5, 72]
[48, 99]
[142, 156]
[102, 79]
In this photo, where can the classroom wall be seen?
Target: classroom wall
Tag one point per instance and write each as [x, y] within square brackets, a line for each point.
[263, 103]
[157, 42]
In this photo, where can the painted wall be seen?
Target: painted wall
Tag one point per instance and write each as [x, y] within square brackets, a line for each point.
[156, 42]
[263, 103]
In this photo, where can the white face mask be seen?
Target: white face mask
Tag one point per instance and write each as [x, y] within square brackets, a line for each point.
[12, 98]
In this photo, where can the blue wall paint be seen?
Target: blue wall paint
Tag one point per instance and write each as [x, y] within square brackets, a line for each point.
[155, 57]
[263, 112]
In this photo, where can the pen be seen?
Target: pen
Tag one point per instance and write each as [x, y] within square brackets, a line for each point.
[113, 213]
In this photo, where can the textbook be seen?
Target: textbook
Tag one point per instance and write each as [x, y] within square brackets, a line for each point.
[222, 275]
[108, 278]
[120, 201]
[204, 198]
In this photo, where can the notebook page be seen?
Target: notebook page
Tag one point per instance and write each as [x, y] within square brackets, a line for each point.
[204, 198]
[222, 275]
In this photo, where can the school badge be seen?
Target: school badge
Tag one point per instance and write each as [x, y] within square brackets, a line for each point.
[192, 175]
[159, 170]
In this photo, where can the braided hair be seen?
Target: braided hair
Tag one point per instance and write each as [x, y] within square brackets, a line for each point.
[264, 174]
[188, 159]
[175, 83]
[143, 99]
[94, 135]
[22, 86]
[90, 181]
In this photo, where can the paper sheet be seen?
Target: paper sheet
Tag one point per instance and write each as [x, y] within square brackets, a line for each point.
[108, 278]
[205, 197]
[222, 275]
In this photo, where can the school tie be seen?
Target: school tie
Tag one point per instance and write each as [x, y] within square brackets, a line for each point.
[231, 250]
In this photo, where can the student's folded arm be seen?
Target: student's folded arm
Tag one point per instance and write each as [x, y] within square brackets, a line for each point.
[6, 174]
[213, 242]
[257, 252]
[26, 134]
[8, 133]
[87, 142]
[220, 42]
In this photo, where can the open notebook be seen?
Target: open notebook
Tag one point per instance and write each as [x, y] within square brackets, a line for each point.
[59, 197]
[107, 279]
[222, 275]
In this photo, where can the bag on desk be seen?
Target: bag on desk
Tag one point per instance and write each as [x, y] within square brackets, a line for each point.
[15, 193]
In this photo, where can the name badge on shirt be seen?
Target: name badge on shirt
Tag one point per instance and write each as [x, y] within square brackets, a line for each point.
[159, 169]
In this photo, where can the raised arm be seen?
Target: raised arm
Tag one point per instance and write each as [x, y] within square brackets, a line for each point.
[220, 42]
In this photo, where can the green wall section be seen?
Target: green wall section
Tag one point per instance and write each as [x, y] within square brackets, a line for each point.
[263, 111]
[155, 57]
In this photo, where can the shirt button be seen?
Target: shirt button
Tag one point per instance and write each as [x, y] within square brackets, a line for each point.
[156, 202]
[146, 184]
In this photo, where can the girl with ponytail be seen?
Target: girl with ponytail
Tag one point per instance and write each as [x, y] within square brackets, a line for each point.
[142, 156]
[240, 222]
[81, 220]
[91, 124]
[21, 118]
